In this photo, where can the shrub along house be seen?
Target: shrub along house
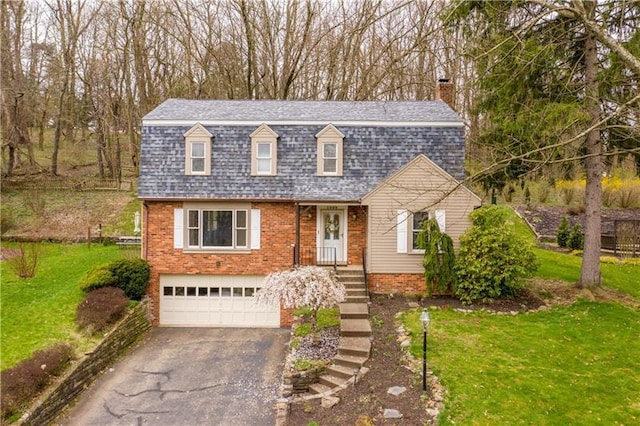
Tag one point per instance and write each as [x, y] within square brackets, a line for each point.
[233, 190]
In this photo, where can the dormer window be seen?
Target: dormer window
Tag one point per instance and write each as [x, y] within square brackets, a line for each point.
[329, 148]
[264, 151]
[197, 151]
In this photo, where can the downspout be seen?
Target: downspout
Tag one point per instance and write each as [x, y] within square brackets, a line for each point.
[296, 249]
[145, 230]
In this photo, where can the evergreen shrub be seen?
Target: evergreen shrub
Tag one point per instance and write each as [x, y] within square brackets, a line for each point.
[563, 232]
[575, 240]
[131, 275]
[493, 259]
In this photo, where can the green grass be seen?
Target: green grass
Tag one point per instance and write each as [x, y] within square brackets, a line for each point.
[39, 311]
[575, 365]
[124, 223]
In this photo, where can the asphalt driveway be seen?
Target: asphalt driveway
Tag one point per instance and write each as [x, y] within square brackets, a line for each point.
[189, 376]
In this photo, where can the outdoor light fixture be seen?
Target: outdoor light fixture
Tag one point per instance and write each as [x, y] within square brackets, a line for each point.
[425, 319]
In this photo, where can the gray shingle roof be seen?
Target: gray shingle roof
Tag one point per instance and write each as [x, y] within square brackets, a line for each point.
[371, 152]
[304, 111]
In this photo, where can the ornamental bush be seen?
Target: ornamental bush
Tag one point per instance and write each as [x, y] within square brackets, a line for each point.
[439, 258]
[309, 286]
[22, 383]
[575, 240]
[562, 234]
[492, 259]
[131, 275]
[101, 308]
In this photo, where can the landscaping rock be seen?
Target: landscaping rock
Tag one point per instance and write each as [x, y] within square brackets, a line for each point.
[396, 390]
[390, 413]
[329, 401]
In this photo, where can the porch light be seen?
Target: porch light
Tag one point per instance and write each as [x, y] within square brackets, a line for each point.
[425, 320]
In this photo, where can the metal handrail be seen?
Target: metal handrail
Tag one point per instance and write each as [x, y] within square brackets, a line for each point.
[364, 270]
[319, 256]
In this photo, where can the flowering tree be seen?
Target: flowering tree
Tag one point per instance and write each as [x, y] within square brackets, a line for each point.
[309, 286]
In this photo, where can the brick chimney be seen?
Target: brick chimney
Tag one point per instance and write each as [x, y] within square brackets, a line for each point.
[444, 92]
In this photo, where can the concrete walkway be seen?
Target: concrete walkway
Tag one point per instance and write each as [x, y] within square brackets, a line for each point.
[189, 376]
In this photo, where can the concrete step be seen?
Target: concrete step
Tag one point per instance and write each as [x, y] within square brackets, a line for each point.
[350, 361]
[349, 271]
[355, 328]
[354, 311]
[355, 346]
[356, 299]
[352, 279]
[353, 292]
[317, 388]
[331, 381]
[340, 371]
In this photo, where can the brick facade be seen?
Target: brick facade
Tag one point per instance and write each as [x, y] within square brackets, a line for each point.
[277, 237]
[396, 283]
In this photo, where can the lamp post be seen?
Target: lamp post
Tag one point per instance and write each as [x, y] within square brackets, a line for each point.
[425, 320]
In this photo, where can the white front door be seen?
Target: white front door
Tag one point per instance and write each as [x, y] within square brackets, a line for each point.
[332, 237]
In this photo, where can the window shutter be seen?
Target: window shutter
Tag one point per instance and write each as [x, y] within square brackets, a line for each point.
[402, 231]
[178, 228]
[255, 229]
[441, 220]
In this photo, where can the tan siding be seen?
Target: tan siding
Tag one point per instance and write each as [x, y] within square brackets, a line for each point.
[420, 186]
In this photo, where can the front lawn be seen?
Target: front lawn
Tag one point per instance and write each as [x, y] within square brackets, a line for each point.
[40, 311]
[569, 365]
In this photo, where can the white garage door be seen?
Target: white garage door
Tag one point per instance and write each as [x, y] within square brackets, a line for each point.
[214, 300]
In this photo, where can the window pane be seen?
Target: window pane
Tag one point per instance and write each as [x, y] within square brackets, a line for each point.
[197, 164]
[264, 166]
[264, 150]
[418, 219]
[191, 291]
[241, 237]
[237, 292]
[241, 219]
[217, 228]
[202, 291]
[226, 291]
[330, 150]
[197, 150]
[193, 237]
[214, 291]
[193, 218]
[330, 166]
[248, 292]
[179, 291]
[168, 291]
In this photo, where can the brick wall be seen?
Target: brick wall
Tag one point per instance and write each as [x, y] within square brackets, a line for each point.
[125, 333]
[357, 233]
[276, 253]
[396, 283]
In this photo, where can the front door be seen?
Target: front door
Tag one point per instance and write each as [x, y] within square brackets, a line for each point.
[331, 231]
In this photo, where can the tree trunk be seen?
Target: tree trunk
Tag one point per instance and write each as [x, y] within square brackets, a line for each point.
[590, 273]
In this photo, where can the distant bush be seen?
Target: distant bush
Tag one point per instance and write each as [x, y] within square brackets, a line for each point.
[575, 240]
[609, 259]
[101, 308]
[492, 259]
[131, 275]
[22, 383]
[25, 264]
[563, 232]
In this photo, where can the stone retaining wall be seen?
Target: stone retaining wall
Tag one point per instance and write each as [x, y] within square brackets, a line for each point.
[295, 383]
[85, 370]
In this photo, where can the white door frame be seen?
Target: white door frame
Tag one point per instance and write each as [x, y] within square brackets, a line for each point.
[342, 255]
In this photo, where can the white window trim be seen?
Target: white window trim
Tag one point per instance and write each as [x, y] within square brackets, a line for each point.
[234, 229]
[405, 229]
[264, 135]
[197, 134]
[329, 135]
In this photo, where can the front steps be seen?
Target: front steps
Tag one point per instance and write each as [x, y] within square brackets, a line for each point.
[355, 334]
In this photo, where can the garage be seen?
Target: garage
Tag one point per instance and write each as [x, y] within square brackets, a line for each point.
[214, 301]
